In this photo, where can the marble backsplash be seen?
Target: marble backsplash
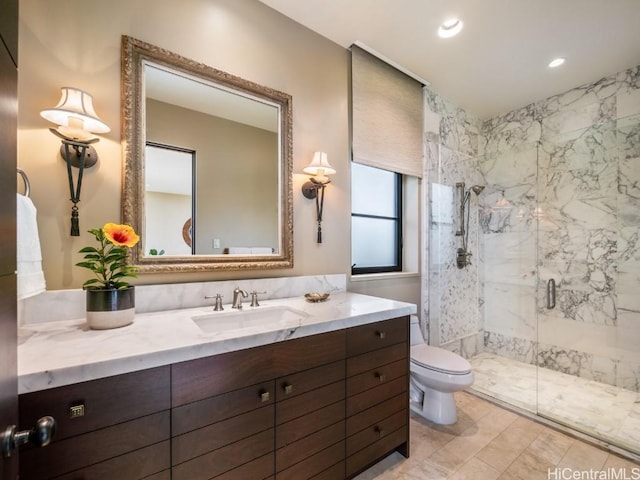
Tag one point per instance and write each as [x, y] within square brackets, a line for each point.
[57, 305]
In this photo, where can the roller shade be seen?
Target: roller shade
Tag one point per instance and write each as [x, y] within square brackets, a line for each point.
[386, 114]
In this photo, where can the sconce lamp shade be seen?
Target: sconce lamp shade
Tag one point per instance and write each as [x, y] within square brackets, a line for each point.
[319, 168]
[77, 120]
[319, 165]
[75, 115]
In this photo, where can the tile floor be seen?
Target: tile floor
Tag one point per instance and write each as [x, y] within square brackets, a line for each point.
[606, 412]
[489, 442]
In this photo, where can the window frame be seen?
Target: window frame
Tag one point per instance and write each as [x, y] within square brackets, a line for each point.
[399, 221]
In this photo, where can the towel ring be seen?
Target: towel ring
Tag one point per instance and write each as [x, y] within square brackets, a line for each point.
[25, 179]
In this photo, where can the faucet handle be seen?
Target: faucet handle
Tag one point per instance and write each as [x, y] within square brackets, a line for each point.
[218, 302]
[254, 298]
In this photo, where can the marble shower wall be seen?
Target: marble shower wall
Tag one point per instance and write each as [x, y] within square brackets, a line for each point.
[563, 196]
[451, 307]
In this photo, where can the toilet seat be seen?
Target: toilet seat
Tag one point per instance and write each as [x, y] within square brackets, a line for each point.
[439, 360]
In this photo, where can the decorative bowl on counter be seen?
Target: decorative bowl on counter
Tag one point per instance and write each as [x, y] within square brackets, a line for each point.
[316, 297]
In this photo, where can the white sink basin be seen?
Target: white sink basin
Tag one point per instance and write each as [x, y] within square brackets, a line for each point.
[265, 318]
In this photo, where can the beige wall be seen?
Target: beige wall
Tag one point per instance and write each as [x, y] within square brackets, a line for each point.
[236, 175]
[77, 43]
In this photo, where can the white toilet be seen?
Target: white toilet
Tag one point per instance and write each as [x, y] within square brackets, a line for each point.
[435, 374]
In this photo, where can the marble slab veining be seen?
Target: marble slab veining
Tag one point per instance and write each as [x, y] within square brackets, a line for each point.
[53, 354]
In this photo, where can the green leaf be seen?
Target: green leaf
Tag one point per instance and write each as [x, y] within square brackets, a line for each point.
[89, 265]
[88, 250]
[90, 282]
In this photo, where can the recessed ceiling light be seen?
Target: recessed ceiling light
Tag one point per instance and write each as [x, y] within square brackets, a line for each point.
[450, 28]
[556, 62]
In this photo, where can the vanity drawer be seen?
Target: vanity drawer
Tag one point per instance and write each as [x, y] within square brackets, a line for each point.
[75, 453]
[375, 451]
[136, 465]
[372, 415]
[301, 427]
[377, 376]
[376, 431]
[106, 401]
[258, 469]
[314, 464]
[308, 402]
[332, 473]
[214, 409]
[226, 458]
[367, 361]
[373, 336]
[373, 396]
[308, 446]
[300, 354]
[207, 439]
[296, 384]
[198, 379]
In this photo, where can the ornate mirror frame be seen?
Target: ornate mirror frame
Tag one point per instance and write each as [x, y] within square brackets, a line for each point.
[135, 53]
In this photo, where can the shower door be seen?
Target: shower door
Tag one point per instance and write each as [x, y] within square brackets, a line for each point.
[588, 300]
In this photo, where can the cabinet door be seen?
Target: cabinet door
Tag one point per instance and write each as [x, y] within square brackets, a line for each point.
[114, 427]
[8, 136]
[9, 28]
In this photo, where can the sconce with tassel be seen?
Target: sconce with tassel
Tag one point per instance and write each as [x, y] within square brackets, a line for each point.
[77, 121]
[314, 188]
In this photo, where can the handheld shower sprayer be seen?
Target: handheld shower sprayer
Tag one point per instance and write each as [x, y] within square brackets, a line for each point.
[463, 256]
[477, 189]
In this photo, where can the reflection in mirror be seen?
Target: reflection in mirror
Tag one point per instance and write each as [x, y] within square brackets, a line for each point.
[207, 165]
[168, 200]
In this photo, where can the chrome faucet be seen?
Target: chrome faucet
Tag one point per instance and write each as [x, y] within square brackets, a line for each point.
[218, 302]
[238, 295]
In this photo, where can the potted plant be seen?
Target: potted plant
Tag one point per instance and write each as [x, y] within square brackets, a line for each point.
[110, 298]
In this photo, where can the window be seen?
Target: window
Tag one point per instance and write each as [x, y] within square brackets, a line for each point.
[376, 220]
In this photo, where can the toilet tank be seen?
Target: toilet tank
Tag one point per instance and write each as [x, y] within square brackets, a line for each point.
[415, 332]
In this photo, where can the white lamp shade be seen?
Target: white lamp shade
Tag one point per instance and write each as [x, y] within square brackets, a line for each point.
[319, 165]
[75, 110]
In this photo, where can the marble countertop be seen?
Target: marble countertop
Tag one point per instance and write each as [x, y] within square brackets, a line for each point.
[53, 354]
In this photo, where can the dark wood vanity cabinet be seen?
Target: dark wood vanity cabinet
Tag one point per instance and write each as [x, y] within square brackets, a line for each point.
[115, 427]
[321, 407]
[271, 412]
[377, 413]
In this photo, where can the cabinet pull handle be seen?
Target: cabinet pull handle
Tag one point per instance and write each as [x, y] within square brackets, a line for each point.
[379, 431]
[264, 396]
[288, 389]
[381, 377]
[381, 334]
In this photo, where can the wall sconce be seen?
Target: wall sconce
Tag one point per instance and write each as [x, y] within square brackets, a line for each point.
[314, 188]
[77, 120]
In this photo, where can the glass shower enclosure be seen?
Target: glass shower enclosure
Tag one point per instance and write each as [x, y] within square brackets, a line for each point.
[549, 310]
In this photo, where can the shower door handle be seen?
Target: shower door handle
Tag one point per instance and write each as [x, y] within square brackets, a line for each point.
[551, 294]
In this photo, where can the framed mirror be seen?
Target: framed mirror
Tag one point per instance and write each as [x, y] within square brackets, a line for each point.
[207, 165]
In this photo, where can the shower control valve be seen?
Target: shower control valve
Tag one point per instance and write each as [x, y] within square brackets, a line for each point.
[463, 258]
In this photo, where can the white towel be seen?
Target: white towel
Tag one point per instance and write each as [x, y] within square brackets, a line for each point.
[28, 255]
[239, 250]
[262, 250]
[250, 250]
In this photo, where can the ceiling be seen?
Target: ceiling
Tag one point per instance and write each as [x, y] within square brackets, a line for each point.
[498, 62]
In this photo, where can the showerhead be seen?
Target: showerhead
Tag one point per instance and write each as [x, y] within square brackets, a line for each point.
[477, 189]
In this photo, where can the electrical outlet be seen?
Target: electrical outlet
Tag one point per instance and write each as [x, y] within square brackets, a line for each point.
[216, 243]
